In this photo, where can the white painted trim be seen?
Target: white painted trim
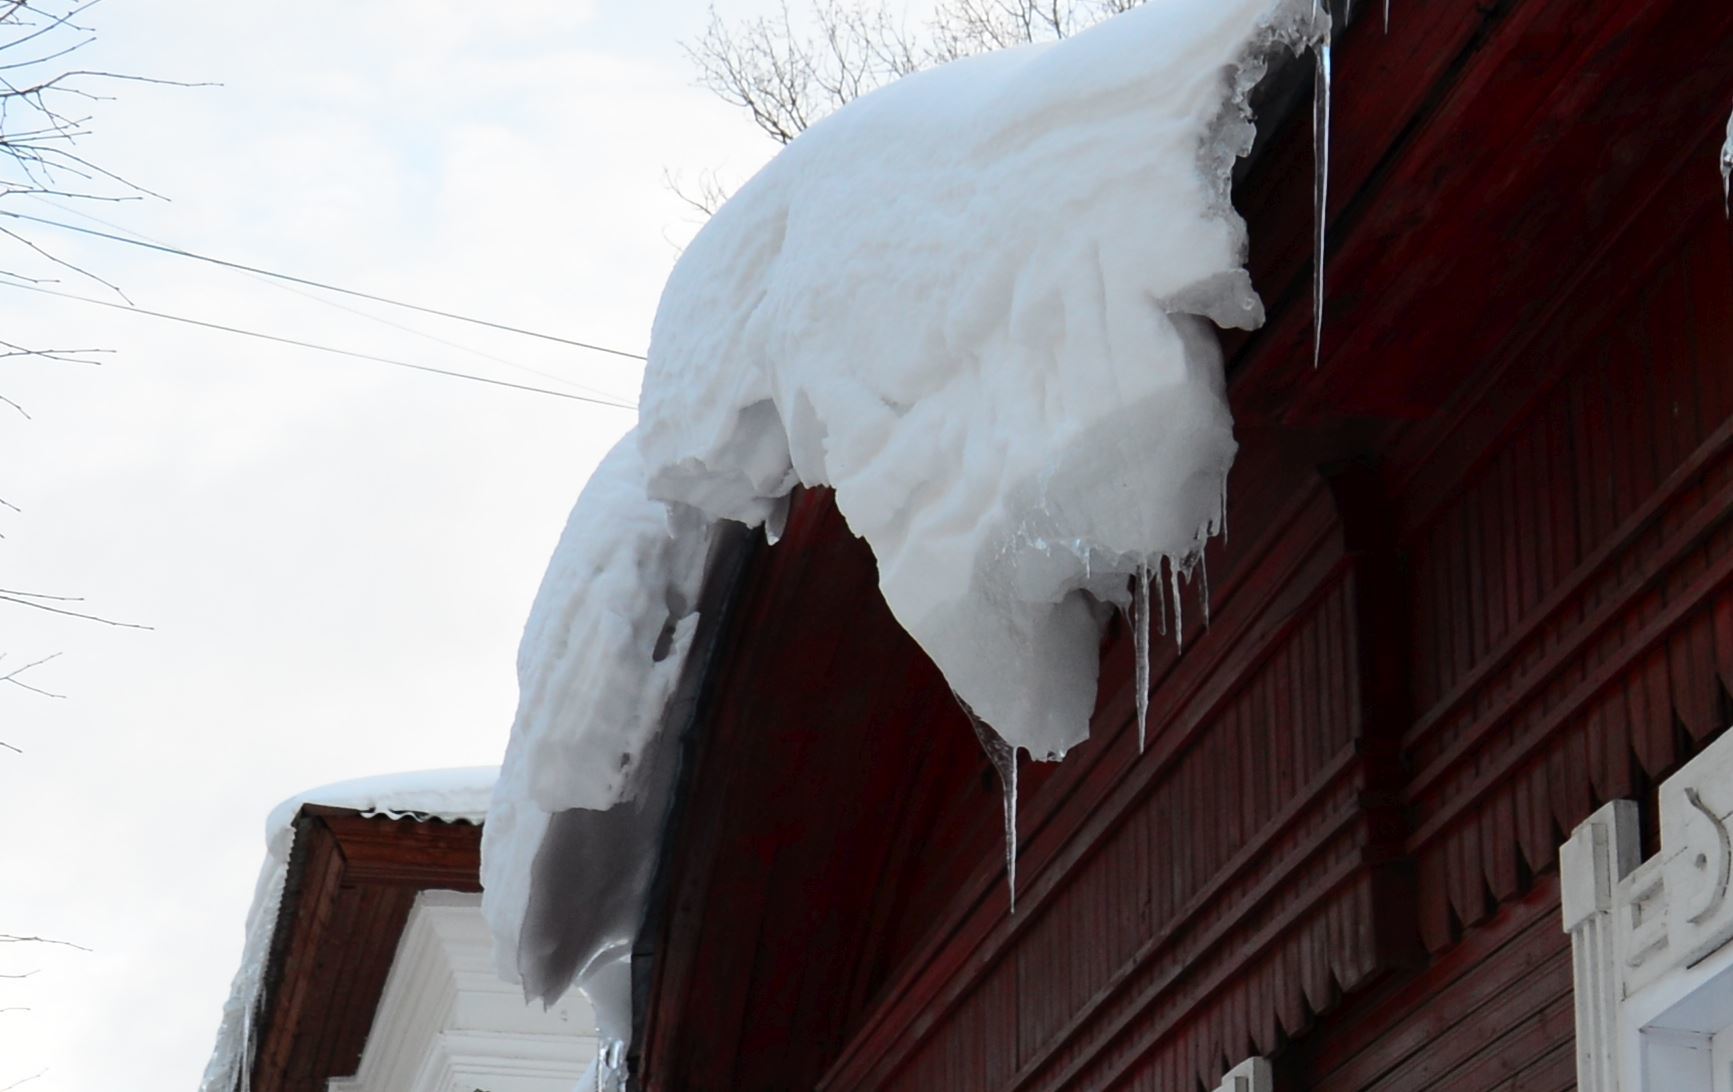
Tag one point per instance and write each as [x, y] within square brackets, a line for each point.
[446, 1023]
[1651, 962]
[1251, 1075]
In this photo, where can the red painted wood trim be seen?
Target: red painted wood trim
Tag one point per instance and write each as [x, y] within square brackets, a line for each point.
[1377, 1032]
[1184, 919]
[1616, 606]
[1680, 482]
[1315, 894]
[1613, 670]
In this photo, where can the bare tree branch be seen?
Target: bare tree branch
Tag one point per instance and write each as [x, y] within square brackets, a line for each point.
[786, 78]
[13, 677]
[704, 195]
[9, 938]
[36, 600]
[44, 115]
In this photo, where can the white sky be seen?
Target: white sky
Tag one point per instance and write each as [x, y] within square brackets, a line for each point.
[336, 556]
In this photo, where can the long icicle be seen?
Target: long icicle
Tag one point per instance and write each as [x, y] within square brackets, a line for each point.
[1320, 183]
[1160, 608]
[1003, 756]
[1727, 171]
[1222, 511]
[1178, 611]
[1203, 574]
[1140, 638]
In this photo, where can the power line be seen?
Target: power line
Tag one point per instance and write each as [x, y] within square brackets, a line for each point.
[325, 302]
[179, 252]
[281, 340]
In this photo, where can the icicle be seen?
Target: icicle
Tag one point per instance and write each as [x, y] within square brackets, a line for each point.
[1140, 638]
[1320, 184]
[777, 521]
[1203, 574]
[1178, 612]
[610, 1076]
[1222, 511]
[1003, 756]
[1160, 601]
[1727, 171]
[246, 1049]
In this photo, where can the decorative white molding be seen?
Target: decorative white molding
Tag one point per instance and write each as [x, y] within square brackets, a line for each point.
[1592, 865]
[446, 1023]
[1251, 1075]
[1649, 939]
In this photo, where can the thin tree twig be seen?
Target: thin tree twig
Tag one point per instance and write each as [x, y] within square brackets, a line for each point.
[9, 597]
[12, 938]
[13, 678]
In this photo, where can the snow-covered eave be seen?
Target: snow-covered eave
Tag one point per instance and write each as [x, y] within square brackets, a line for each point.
[644, 831]
[458, 796]
[725, 584]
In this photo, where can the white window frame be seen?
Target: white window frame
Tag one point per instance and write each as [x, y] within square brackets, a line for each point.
[1651, 962]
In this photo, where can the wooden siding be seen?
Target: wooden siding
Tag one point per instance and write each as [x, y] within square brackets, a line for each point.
[1494, 1012]
[1478, 582]
[1574, 627]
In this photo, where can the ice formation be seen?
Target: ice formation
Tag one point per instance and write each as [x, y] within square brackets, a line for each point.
[579, 801]
[1727, 170]
[974, 304]
[457, 795]
[1320, 186]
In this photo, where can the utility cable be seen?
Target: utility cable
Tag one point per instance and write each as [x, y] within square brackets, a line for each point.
[368, 315]
[166, 249]
[281, 340]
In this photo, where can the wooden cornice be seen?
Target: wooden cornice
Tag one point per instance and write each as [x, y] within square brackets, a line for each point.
[352, 881]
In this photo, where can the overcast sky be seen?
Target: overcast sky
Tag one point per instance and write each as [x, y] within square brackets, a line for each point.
[336, 556]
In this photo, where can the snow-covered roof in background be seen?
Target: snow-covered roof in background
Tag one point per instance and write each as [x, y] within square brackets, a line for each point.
[450, 795]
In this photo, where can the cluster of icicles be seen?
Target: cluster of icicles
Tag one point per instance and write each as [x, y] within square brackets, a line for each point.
[1146, 611]
[1151, 611]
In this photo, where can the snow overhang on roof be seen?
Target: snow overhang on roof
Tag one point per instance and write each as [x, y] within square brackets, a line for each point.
[978, 305]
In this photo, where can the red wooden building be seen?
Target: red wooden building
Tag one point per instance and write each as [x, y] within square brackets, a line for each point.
[1477, 584]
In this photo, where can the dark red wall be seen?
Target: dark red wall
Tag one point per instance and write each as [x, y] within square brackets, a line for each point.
[1477, 583]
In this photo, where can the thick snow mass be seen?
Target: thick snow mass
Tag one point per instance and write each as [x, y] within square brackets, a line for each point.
[453, 795]
[570, 840]
[977, 303]
[974, 303]
[606, 638]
